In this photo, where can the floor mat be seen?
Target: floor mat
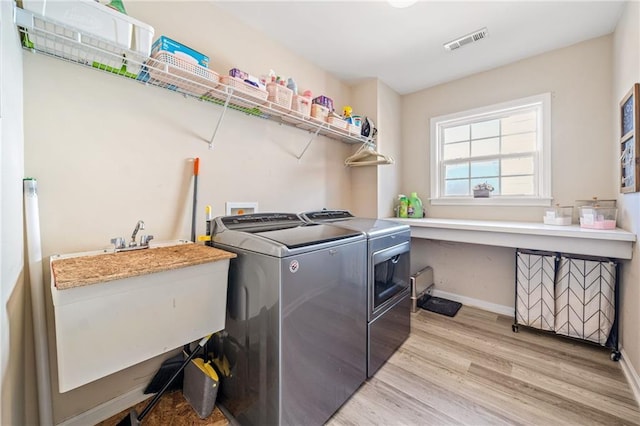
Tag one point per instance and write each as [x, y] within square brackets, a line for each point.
[440, 306]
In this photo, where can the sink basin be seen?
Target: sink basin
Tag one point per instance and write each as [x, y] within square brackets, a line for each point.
[114, 310]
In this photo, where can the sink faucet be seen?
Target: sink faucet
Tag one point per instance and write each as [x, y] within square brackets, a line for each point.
[120, 244]
[139, 226]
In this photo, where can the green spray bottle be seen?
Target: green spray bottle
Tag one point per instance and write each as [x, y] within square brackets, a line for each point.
[403, 208]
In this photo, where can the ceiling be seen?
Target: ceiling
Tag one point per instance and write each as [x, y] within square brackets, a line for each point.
[404, 47]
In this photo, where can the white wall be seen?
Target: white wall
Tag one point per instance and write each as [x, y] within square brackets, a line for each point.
[13, 335]
[579, 79]
[626, 72]
[108, 152]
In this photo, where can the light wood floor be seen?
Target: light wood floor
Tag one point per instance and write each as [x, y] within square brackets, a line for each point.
[472, 369]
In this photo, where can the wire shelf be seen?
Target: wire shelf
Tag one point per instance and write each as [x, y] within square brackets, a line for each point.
[45, 36]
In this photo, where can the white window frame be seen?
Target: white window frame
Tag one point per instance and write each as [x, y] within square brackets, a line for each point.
[542, 159]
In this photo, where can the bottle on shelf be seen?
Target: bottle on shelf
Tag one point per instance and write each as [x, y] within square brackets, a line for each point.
[414, 209]
[403, 208]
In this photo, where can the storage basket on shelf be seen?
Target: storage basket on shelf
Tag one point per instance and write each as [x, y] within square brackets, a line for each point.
[319, 112]
[280, 97]
[301, 105]
[245, 90]
[169, 70]
[337, 123]
[354, 129]
[95, 19]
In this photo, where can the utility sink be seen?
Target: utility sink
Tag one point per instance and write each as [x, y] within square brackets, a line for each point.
[114, 310]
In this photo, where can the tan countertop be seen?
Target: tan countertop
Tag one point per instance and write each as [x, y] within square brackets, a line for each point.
[85, 270]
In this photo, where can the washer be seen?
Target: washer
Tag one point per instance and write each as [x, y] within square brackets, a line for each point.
[388, 280]
[295, 333]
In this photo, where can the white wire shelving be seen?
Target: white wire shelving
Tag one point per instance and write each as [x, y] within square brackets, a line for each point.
[45, 36]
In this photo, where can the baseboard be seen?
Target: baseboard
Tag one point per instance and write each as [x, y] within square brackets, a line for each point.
[469, 301]
[108, 409]
[631, 374]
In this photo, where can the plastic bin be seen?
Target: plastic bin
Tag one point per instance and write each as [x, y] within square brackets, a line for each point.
[598, 217]
[98, 20]
[179, 74]
[301, 105]
[280, 96]
[245, 90]
[200, 387]
[319, 112]
[558, 215]
[337, 123]
[179, 50]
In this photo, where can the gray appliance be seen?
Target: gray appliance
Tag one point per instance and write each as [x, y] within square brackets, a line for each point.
[388, 280]
[295, 333]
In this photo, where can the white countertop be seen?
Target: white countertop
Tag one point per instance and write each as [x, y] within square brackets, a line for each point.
[615, 243]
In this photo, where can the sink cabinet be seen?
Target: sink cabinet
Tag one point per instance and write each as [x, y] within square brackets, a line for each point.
[153, 301]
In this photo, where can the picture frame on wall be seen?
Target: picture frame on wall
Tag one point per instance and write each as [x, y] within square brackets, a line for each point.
[630, 140]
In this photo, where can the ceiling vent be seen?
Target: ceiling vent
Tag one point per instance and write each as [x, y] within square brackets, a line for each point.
[466, 39]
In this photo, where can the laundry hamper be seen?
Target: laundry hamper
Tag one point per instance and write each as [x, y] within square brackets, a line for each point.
[585, 298]
[535, 279]
[569, 295]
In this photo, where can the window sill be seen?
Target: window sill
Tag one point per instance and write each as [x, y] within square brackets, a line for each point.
[491, 201]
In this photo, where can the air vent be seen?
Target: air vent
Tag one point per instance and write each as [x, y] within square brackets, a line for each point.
[466, 39]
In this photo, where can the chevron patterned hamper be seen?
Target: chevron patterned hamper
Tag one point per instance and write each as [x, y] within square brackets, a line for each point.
[585, 298]
[535, 273]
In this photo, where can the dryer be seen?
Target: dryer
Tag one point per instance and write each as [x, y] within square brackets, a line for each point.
[388, 280]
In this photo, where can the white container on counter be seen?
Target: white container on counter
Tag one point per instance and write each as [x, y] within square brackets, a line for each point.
[558, 215]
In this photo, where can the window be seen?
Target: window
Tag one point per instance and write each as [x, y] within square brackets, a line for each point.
[505, 145]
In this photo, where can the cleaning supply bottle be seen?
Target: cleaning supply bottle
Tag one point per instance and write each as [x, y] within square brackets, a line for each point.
[403, 209]
[415, 206]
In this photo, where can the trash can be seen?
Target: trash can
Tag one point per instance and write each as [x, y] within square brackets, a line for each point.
[421, 282]
[200, 387]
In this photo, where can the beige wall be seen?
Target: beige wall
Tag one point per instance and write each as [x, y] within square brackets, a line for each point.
[107, 152]
[364, 188]
[18, 402]
[578, 78]
[626, 72]
[389, 143]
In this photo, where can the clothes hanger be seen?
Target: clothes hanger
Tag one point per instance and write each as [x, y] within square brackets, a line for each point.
[367, 156]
